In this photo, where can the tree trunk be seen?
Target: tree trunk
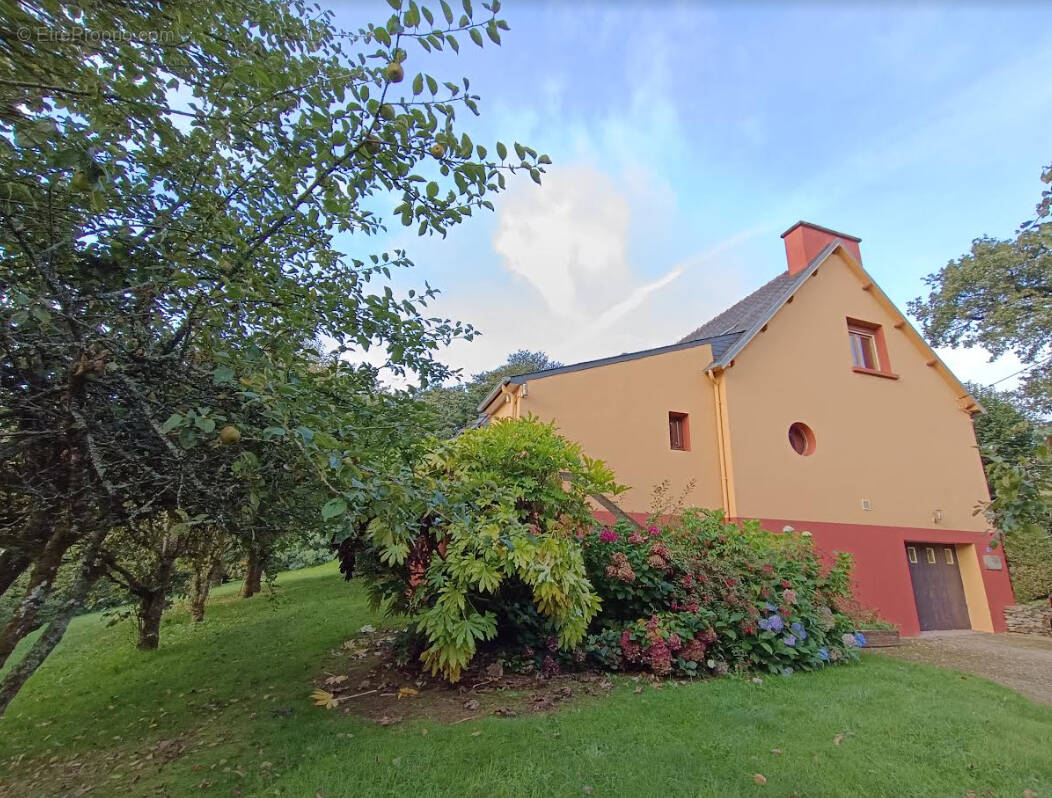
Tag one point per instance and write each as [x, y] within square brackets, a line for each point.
[86, 575]
[152, 603]
[253, 573]
[41, 583]
[205, 575]
[151, 609]
[12, 565]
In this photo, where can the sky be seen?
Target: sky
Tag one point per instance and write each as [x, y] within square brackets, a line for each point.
[686, 137]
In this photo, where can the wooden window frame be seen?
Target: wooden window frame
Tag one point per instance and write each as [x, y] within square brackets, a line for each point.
[880, 346]
[683, 422]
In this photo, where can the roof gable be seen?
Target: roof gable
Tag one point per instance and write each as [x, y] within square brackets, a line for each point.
[759, 308]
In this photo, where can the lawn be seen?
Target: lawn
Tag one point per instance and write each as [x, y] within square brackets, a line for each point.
[223, 709]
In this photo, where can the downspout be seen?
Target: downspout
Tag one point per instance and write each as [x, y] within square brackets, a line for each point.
[715, 376]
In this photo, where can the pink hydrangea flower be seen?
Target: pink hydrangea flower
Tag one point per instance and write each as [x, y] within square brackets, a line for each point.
[607, 535]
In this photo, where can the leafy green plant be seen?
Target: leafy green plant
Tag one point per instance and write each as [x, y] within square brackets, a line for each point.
[499, 513]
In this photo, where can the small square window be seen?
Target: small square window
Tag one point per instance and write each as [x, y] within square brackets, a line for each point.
[869, 352]
[863, 350]
[678, 431]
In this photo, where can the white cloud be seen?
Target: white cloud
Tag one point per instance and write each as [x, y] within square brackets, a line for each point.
[569, 240]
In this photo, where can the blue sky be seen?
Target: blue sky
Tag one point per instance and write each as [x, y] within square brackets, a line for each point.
[686, 137]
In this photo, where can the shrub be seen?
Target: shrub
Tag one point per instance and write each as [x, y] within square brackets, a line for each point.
[492, 542]
[1029, 555]
[494, 546]
[701, 595]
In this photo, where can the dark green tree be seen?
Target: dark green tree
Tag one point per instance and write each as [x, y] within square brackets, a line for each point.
[167, 218]
[455, 406]
[1019, 473]
[999, 297]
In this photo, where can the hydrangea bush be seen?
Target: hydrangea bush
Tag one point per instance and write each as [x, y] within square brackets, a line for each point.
[699, 595]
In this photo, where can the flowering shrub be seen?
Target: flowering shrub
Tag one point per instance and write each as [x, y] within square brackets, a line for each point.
[705, 596]
[491, 542]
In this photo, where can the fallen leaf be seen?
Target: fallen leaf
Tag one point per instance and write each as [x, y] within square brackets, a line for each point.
[407, 692]
[367, 630]
[471, 704]
[323, 698]
[1028, 793]
[334, 680]
[777, 751]
[606, 684]
[476, 733]
[588, 789]
[638, 689]
[838, 739]
[759, 778]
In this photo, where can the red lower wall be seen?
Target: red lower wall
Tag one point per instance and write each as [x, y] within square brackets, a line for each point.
[881, 576]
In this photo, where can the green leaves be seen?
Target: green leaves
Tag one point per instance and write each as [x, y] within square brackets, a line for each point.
[173, 421]
[333, 508]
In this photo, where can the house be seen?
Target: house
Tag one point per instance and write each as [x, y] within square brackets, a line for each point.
[814, 404]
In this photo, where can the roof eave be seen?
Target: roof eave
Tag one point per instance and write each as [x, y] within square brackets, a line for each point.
[492, 395]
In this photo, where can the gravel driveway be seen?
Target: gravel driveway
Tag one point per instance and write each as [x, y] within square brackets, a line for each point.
[1022, 662]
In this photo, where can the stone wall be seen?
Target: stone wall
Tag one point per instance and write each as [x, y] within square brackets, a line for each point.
[1033, 618]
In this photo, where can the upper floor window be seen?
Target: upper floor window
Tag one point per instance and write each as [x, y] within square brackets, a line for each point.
[869, 352]
[678, 431]
[863, 349]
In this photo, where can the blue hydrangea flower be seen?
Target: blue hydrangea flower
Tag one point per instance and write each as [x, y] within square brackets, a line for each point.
[775, 623]
[798, 628]
[764, 624]
[770, 607]
[787, 671]
[860, 639]
[789, 640]
[823, 654]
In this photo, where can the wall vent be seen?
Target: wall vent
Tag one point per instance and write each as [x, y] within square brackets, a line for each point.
[867, 505]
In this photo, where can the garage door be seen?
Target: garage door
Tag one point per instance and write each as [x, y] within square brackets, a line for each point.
[937, 586]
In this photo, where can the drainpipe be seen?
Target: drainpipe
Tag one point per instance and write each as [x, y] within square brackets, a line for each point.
[715, 376]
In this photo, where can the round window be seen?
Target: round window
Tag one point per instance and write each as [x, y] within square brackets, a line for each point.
[801, 438]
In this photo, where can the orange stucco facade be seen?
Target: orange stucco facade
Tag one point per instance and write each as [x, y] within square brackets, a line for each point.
[894, 457]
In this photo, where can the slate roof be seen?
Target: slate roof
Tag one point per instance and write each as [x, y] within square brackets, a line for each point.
[743, 315]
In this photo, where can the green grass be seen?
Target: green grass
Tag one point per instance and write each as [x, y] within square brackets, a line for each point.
[101, 709]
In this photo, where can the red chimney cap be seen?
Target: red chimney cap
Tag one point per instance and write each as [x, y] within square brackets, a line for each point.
[819, 227]
[805, 241]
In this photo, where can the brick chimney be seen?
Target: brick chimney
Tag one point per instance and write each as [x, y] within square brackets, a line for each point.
[804, 241]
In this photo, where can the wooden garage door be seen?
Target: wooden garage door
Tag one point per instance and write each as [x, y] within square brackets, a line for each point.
[937, 586]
